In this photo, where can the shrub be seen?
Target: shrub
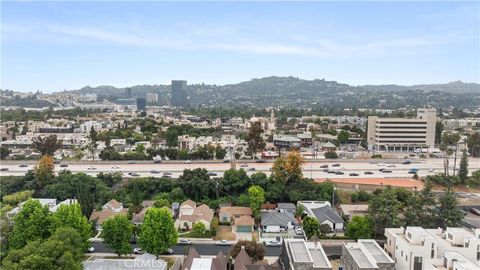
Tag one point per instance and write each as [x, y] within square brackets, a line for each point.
[331, 154]
[376, 156]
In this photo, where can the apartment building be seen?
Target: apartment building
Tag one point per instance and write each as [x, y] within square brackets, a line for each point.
[300, 255]
[417, 248]
[402, 134]
[365, 255]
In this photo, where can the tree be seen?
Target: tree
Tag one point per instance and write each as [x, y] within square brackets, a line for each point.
[255, 250]
[15, 198]
[256, 196]
[136, 195]
[288, 169]
[448, 139]
[161, 202]
[360, 227]
[447, 212]
[30, 224]
[331, 154]
[254, 139]
[117, 232]
[71, 216]
[299, 211]
[473, 142]
[438, 132]
[47, 145]
[463, 170]
[311, 227]
[220, 152]
[44, 170]
[324, 229]
[4, 152]
[343, 136]
[199, 229]
[158, 231]
[384, 210]
[63, 250]
[171, 137]
[92, 146]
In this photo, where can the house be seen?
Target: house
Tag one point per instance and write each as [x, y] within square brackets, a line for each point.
[243, 224]
[201, 214]
[109, 210]
[297, 254]
[419, 248]
[143, 262]
[243, 262]
[228, 214]
[137, 218]
[351, 210]
[49, 203]
[194, 261]
[275, 221]
[287, 207]
[187, 207]
[365, 254]
[326, 215]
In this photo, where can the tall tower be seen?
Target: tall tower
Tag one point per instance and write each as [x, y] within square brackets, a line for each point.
[179, 93]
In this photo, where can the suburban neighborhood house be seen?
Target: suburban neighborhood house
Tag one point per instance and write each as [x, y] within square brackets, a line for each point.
[191, 214]
[110, 209]
[324, 213]
[228, 214]
[243, 227]
[418, 248]
[137, 218]
[194, 261]
[275, 221]
[351, 210]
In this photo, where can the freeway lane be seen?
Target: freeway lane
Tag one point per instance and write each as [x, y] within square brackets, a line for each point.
[211, 250]
[310, 169]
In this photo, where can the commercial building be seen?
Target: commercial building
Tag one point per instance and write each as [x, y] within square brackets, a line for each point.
[365, 255]
[152, 98]
[416, 248]
[402, 134]
[179, 93]
[300, 255]
[141, 104]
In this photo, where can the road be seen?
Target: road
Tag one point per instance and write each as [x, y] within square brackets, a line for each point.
[310, 169]
[210, 249]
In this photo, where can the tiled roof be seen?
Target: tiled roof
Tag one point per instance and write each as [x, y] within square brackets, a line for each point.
[327, 212]
[114, 203]
[236, 210]
[101, 216]
[189, 203]
[244, 221]
[276, 218]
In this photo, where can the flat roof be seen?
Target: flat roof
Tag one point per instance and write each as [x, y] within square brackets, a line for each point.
[376, 252]
[299, 251]
[360, 258]
[319, 258]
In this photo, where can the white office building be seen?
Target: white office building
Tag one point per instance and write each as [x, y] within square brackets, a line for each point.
[402, 134]
[416, 248]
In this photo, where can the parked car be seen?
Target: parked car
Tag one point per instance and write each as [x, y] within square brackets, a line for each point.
[475, 211]
[91, 250]
[336, 165]
[353, 174]
[324, 166]
[168, 252]
[222, 243]
[244, 165]
[137, 251]
[298, 231]
[273, 243]
[339, 172]
[23, 166]
[184, 242]
[368, 172]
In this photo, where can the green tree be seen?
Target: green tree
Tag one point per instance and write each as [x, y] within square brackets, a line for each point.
[199, 229]
[343, 136]
[256, 196]
[324, 229]
[384, 210]
[473, 142]
[220, 152]
[438, 132]
[254, 139]
[63, 250]
[360, 227]
[30, 224]
[117, 232]
[448, 213]
[171, 137]
[47, 145]
[44, 171]
[463, 170]
[311, 227]
[158, 231]
[15, 198]
[4, 152]
[159, 203]
[71, 216]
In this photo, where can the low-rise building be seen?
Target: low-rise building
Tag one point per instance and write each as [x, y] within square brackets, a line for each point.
[297, 254]
[109, 210]
[228, 214]
[275, 221]
[324, 213]
[189, 217]
[365, 255]
[194, 261]
[143, 262]
[351, 210]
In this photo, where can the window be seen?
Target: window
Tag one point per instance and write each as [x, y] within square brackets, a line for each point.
[417, 263]
[432, 253]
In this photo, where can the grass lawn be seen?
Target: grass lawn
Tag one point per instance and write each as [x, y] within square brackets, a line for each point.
[191, 234]
[225, 233]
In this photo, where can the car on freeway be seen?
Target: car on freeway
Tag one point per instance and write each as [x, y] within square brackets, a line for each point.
[187, 161]
[339, 172]
[222, 243]
[211, 174]
[413, 170]
[382, 169]
[184, 242]
[475, 211]
[23, 166]
[244, 165]
[154, 171]
[167, 173]
[382, 164]
[115, 167]
[387, 171]
[63, 166]
[251, 169]
[157, 161]
[368, 172]
[326, 170]
[331, 171]
[260, 161]
[273, 243]
[391, 166]
[134, 174]
[336, 165]
[406, 162]
[137, 251]
[91, 168]
[324, 166]
[91, 250]
[353, 174]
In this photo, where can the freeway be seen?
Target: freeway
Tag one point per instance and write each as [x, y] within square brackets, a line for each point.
[211, 249]
[310, 169]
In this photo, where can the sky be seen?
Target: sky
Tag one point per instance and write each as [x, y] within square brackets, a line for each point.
[52, 46]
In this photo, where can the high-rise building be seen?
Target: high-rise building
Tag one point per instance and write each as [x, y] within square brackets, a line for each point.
[179, 93]
[141, 104]
[128, 93]
[152, 98]
[402, 134]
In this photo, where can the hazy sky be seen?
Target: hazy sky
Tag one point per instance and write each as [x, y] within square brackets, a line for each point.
[53, 46]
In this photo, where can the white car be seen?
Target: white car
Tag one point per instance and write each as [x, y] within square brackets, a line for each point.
[115, 167]
[222, 243]
[391, 166]
[381, 164]
[91, 168]
[273, 243]
[298, 231]
[187, 161]
[137, 251]
[91, 249]
[244, 165]
[184, 242]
